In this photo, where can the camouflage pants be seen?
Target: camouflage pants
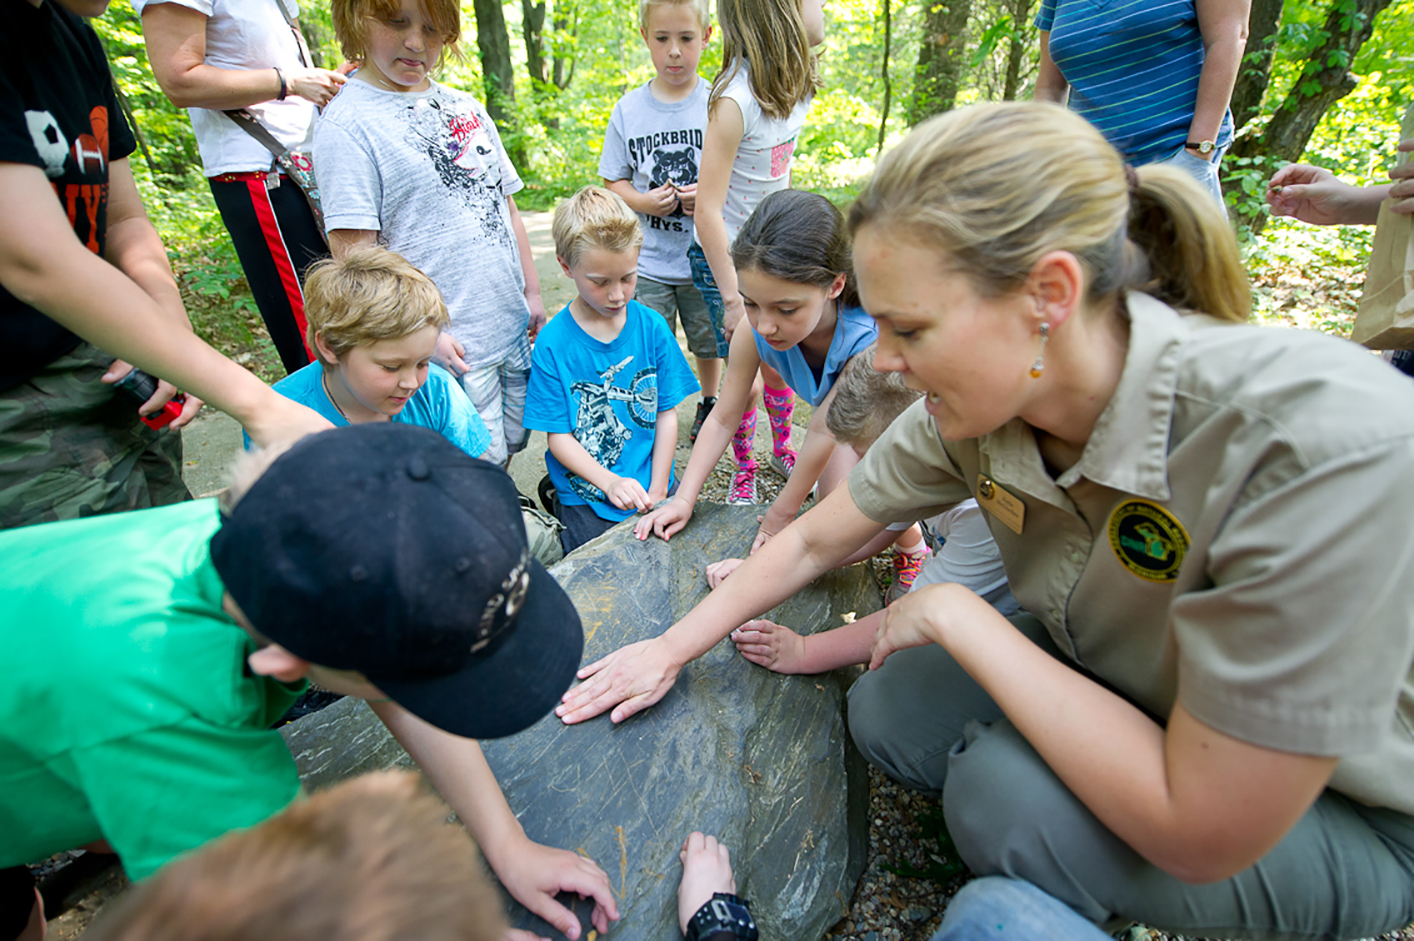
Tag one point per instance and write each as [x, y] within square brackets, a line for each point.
[70, 447]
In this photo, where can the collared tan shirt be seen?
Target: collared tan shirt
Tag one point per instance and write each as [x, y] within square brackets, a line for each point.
[1237, 535]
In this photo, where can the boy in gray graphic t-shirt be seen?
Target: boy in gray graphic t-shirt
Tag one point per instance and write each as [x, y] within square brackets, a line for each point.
[652, 149]
[419, 167]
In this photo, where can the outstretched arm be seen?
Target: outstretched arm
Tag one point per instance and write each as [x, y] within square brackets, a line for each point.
[134, 248]
[43, 264]
[1197, 803]
[1316, 196]
[712, 440]
[532, 873]
[637, 676]
[815, 453]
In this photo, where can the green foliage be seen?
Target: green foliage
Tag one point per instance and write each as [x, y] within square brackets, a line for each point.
[560, 130]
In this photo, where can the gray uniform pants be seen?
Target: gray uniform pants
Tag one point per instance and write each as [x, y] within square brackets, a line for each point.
[1344, 871]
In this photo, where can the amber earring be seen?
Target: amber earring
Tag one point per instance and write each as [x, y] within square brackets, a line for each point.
[1039, 366]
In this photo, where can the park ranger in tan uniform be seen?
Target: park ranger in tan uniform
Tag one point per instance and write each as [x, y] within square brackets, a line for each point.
[1204, 723]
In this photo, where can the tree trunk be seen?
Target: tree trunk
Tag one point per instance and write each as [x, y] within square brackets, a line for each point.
[494, 44]
[533, 28]
[1325, 80]
[1016, 47]
[566, 28]
[1257, 63]
[884, 75]
[940, 58]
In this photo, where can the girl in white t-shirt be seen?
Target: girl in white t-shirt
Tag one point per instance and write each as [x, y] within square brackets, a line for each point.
[755, 113]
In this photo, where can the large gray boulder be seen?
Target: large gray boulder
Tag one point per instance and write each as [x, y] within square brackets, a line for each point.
[760, 760]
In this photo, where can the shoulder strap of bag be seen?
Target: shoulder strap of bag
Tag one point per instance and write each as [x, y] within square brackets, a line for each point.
[255, 129]
[299, 36]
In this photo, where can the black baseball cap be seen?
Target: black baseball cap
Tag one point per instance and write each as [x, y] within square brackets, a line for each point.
[384, 548]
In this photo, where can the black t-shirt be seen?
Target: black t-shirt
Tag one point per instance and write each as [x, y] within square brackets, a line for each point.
[57, 112]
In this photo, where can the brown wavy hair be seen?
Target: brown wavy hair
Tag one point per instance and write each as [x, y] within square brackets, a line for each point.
[769, 34]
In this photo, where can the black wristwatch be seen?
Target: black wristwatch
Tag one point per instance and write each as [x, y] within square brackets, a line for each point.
[725, 916]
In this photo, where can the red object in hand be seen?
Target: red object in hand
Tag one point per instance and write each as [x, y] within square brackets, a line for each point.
[142, 387]
[169, 412]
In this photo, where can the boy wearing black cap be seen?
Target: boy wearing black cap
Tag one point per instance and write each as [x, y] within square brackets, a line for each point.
[378, 560]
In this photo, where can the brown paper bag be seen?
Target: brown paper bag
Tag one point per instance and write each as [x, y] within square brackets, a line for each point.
[1385, 319]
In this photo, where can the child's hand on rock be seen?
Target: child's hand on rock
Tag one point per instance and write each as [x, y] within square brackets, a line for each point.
[706, 869]
[773, 646]
[717, 572]
[665, 521]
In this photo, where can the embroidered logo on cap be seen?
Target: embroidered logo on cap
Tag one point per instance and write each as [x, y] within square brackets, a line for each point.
[502, 607]
[1148, 540]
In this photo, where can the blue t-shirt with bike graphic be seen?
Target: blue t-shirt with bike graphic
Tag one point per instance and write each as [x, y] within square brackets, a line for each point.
[608, 395]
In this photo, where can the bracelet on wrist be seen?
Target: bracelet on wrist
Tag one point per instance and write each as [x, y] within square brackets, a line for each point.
[284, 89]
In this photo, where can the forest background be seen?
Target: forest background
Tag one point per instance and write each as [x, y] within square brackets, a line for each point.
[1323, 81]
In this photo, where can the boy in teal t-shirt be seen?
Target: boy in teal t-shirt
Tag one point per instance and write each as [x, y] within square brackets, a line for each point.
[373, 323]
[149, 653]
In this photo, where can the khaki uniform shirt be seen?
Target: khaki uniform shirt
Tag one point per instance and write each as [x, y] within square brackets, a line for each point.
[1236, 535]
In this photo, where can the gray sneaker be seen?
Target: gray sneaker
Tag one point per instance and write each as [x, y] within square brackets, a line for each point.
[743, 492]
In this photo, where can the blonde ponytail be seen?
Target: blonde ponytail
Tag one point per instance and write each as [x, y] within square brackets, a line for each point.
[1194, 262]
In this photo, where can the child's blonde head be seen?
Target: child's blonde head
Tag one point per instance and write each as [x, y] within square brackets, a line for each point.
[866, 401]
[370, 294]
[371, 859]
[701, 7]
[594, 218]
[771, 35]
[351, 22]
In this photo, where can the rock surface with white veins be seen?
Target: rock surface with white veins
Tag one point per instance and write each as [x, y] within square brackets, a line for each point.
[760, 760]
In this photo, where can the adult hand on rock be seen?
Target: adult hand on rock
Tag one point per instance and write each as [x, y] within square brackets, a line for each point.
[534, 874]
[628, 680]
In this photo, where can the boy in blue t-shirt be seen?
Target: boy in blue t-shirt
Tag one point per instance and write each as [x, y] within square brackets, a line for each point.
[605, 376]
[373, 321]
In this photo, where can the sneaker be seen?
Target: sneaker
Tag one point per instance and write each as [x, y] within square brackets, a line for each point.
[704, 408]
[906, 569]
[783, 463]
[743, 492]
[549, 498]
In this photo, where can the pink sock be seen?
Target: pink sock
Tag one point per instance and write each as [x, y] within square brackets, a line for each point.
[780, 405]
[743, 440]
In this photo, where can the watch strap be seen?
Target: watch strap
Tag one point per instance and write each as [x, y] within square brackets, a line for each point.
[1202, 146]
[723, 916]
